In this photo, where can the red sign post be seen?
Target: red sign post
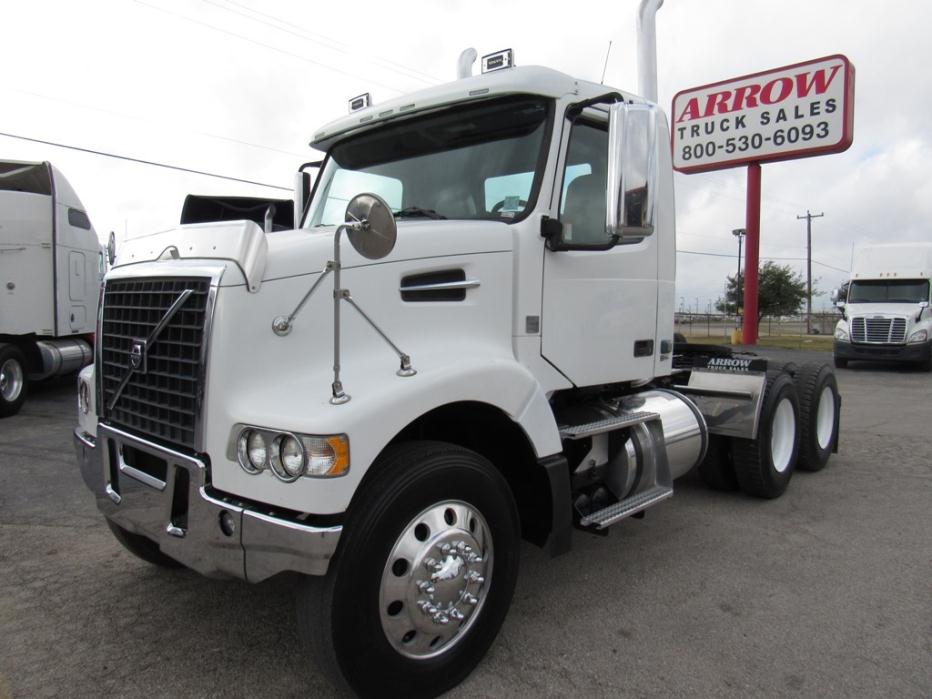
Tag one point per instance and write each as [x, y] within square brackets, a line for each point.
[797, 111]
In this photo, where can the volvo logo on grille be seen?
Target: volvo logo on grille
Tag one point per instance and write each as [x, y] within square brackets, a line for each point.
[137, 356]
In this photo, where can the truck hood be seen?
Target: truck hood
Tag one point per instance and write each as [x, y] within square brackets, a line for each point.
[292, 253]
[882, 309]
[260, 257]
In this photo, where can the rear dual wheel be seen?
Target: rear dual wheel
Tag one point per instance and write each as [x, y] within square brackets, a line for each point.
[423, 577]
[819, 405]
[764, 466]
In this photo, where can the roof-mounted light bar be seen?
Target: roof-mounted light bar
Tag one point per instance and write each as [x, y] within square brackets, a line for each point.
[361, 102]
[498, 60]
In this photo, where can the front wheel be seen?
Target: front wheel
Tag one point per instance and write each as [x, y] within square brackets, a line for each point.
[423, 578]
[13, 380]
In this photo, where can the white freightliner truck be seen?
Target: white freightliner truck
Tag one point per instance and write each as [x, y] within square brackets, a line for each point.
[51, 265]
[490, 357]
[885, 307]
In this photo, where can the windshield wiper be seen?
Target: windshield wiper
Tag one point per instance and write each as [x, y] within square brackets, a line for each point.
[418, 212]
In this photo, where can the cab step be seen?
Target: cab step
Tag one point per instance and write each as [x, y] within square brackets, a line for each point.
[607, 516]
[589, 429]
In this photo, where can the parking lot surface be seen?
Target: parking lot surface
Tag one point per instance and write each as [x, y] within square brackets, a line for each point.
[824, 592]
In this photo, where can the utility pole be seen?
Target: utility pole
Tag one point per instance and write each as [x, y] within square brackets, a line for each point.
[809, 218]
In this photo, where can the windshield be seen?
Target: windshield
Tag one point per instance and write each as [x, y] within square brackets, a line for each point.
[889, 291]
[482, 161]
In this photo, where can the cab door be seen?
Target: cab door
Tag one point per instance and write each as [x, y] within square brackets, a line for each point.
[600, 298]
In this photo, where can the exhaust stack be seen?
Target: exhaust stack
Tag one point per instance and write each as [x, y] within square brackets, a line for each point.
[647, 49]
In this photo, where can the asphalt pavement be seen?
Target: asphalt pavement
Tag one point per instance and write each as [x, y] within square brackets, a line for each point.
[825, 592]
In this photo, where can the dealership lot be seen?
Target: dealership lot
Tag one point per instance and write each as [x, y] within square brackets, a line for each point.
[826, 591]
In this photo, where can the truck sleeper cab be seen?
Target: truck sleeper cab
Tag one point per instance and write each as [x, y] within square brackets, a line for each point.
[505, 368]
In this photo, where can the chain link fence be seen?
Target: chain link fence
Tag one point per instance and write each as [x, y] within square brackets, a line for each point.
[719, 325]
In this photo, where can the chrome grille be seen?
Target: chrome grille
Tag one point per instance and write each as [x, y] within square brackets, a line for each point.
[161, 399]
[885, 331]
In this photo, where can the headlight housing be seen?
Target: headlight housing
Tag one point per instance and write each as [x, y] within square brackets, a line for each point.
[841, 334]
[918, 336]
[289, 455]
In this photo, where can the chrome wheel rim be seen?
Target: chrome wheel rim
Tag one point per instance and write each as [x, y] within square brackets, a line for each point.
[782, 435]
[825, 417]
[436, 580]
[11, 380]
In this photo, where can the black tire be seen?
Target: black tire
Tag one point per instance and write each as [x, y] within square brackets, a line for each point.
[925, 365]
[143, 548]
[818, 415]
[758, 473]
[717, 469]
[841, 363]
[14, 381]
[341, 616]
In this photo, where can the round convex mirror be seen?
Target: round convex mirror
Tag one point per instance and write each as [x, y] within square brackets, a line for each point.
[111, 248]
[376, 238]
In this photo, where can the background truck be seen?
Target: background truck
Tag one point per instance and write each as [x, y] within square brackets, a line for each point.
[489, 357]
[51, 266]
[884, 309]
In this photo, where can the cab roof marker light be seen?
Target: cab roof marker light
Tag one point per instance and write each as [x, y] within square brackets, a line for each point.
[361, 102]
[498, 60]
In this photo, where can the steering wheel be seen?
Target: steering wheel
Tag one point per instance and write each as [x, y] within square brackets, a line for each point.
[500, 205]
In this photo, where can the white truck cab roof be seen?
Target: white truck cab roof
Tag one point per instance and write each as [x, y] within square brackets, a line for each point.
[893, 261]
[522, 80]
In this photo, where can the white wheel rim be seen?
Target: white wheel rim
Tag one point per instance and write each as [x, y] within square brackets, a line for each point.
[782, 435]
[11, 380]
[436, 580]
[825, 417]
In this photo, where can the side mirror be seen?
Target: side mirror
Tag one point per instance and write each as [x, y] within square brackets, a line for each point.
[370, 226]
[632, 170]
[111, 248]
[834, 296]
[302, 191]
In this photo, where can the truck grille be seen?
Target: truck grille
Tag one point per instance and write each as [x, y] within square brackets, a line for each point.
[886, 331]
[161, 397]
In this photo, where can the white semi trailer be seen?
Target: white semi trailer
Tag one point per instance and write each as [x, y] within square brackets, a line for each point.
[490, 356]
[885, 306]
[51, 266]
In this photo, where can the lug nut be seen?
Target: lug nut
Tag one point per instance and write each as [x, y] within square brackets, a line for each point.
[430, 563]
[470, 599]
[425, 587]
[475, 577]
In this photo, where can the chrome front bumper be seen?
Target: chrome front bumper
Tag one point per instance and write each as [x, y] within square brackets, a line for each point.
[163, 495]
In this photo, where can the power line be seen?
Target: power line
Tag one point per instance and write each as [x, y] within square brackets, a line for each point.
[333, 44]
[269, 46]
[151, 121]
[792, 259]
[143, 162]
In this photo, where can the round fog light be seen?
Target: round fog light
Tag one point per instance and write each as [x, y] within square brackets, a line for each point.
[291, 454]
[227, 523]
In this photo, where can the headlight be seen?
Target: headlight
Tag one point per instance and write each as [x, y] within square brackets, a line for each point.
[289, 455]
[918, 336]
[289, 460]
[252, 451]
[841, 334]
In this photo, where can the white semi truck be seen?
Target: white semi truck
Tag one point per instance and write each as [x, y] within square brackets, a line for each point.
[489, 357]
[885, 306]
[51, 266]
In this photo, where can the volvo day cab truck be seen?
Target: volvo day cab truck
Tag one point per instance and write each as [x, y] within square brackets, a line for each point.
[51, 266]
[885, 310]
[467, 340]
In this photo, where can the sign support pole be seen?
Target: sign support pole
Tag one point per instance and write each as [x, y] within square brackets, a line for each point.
[751, 255]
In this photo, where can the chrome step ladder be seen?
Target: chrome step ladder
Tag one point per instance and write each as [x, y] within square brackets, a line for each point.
[654, 483]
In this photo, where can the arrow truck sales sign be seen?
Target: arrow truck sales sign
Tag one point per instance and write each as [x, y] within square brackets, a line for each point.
[797, 111]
